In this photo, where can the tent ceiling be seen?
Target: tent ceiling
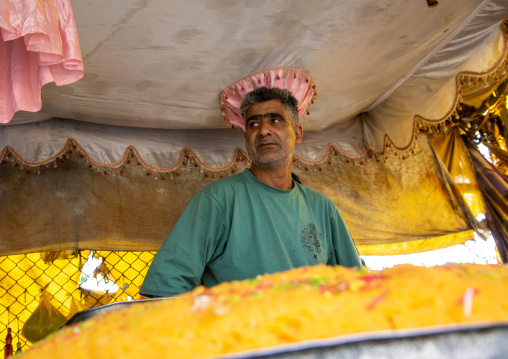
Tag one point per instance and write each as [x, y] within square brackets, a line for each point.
[150, 100]
[161, 64]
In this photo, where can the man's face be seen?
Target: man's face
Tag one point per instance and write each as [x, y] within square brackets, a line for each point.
[270, 137]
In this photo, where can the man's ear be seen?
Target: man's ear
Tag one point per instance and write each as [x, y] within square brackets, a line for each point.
[298, 133]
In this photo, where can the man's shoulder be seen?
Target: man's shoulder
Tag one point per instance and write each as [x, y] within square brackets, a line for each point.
[312, 193]
[227, 183]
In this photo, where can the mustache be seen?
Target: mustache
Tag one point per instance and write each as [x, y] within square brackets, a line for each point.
[263, 141]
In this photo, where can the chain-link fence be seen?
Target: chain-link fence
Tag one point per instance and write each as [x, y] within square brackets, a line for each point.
[74, 280]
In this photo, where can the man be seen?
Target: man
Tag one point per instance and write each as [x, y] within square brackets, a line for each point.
[258, 221]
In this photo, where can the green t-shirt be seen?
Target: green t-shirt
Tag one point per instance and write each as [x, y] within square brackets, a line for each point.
[239, 227]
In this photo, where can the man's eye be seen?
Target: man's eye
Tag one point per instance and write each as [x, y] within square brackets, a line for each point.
[253, 124]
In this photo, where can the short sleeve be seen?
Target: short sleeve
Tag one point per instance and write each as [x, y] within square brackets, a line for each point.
[193, 242]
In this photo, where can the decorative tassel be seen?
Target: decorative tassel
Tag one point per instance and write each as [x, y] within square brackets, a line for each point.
[8, 350]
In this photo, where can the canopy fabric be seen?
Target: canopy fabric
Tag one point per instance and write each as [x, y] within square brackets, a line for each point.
[416, 246]
[391, 60]
[494, 186]
[432, 93]
[121, 152]
[73, 206]
[38, 44]
[453, 152]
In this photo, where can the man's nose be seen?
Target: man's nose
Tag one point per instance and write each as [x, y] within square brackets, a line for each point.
[264, 127]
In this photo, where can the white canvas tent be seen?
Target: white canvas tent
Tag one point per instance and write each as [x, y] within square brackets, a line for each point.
[111, 160]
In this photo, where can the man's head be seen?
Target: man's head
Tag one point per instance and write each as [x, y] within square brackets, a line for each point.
[270, 130]
[264, 94]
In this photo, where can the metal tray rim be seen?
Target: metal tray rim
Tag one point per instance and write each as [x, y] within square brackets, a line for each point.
[324, 343]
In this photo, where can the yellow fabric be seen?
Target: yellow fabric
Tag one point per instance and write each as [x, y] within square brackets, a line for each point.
[389, 201]
[422, 245]
[455, 156]
[395, 200]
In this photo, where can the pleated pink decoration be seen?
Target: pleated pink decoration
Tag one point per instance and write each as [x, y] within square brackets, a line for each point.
[296, 80]
[38, 44]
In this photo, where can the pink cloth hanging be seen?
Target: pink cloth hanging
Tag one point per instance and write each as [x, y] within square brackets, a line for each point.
[38, 44]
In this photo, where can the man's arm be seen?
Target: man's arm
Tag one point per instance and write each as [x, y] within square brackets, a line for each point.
[178, 265]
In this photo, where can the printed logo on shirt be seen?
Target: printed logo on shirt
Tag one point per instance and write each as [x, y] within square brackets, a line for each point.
[311, 240]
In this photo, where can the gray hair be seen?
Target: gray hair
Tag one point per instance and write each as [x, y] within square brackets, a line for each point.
[264, 94]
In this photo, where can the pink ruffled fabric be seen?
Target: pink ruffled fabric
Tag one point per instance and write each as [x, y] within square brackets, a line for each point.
[298, 81]
[38, 44]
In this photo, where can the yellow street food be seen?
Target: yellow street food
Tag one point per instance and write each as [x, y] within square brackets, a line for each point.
[296, 305]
